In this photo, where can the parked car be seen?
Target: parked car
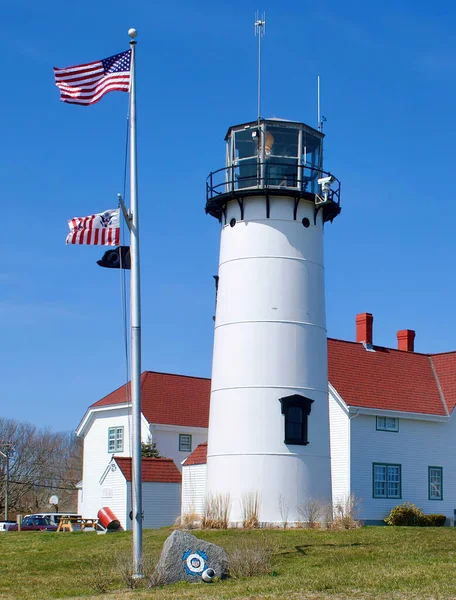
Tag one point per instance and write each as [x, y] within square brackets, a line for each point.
[4, 525]
[34, 524]
[54, 518]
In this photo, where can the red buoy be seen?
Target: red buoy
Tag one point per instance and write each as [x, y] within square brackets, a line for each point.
[108, 519]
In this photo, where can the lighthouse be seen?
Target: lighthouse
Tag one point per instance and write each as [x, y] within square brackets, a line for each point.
[268, 441]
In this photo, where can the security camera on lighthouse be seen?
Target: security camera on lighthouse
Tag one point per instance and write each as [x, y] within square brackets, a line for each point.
[269, 424]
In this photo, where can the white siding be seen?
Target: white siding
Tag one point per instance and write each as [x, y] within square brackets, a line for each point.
[113, 490]
[193, 489]
[416, 446]
[339, 426]
[167, 440]
[97, 457]
[161, 504]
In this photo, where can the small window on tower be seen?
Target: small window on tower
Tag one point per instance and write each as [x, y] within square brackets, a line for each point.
[296, 410]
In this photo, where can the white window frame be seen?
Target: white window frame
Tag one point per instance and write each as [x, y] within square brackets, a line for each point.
[436, 486]
[183, 446]
[116, 436]
[387, 424]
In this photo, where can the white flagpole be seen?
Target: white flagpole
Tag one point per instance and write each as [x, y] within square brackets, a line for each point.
[135, 300]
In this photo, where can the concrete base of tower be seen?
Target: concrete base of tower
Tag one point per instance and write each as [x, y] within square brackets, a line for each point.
[280, 484]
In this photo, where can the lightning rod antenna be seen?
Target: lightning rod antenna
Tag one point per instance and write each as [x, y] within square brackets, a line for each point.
[320, 118]
[260, 28]
[320, 124]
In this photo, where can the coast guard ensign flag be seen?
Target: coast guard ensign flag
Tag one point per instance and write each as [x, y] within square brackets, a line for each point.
[87, 84]
[102, 229]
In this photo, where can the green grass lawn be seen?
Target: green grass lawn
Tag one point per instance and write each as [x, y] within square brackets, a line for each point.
[372, 562]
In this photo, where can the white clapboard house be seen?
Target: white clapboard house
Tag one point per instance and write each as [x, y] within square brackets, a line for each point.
[174, 415]
[392, 433]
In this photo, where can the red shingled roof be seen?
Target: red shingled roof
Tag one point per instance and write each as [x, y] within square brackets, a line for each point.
[161, 470]
[169, 399]
[445, 368]
[198, 456]
[385, 379]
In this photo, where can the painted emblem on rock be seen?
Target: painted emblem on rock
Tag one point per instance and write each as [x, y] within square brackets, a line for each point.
[194, 562]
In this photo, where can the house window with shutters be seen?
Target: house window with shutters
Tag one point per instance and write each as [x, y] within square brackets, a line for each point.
[296, 410]
[115, 439]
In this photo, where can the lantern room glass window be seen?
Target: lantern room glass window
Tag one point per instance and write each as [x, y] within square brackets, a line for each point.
[311, 160]
[274, 154]
[281, 142]
[246, 144]
[281, 154]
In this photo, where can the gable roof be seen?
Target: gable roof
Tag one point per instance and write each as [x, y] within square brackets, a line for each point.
[161, 470]
[168, 399]
[198, 456]
[386, 379]
[445, 368]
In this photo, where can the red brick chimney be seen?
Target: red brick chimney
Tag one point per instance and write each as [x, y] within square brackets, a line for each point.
[406, 340]
[364, 323]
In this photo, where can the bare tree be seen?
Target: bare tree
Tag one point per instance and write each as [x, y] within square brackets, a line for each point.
[42, 463]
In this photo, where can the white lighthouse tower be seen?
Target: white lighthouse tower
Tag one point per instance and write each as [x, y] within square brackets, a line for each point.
[269, 425]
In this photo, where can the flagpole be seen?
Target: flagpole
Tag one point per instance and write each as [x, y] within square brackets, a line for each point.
[135, 300]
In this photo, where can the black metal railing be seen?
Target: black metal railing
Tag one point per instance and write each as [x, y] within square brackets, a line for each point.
[245, 176]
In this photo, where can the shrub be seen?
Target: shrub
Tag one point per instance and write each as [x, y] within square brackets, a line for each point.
[101, 576]
[251, 557]
[217, 512]
[124, 567]
[311, 512]
[405, 514]
[345, 513]
[341, 514]
[284, 509]
[251, 503]
[188, 520]
[149, 450]
[433, 520]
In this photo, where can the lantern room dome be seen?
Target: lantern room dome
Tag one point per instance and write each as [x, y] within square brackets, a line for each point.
[273, 157]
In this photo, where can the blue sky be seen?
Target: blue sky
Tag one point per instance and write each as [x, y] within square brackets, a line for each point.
[388, 86]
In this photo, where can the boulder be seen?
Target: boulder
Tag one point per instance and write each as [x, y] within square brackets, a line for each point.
[185, 558]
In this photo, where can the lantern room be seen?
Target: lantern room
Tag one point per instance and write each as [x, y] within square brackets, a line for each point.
[273, 157]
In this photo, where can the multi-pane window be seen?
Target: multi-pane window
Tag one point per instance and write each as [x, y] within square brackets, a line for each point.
[294, 423]
[185, 442]
[387, 424]
[115, 439]
[387, 481]
[296, 410]
[435, 477]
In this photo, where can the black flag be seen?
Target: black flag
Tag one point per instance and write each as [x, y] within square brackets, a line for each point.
[116, 258]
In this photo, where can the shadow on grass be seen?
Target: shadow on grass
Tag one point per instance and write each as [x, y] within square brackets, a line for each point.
[304, 548]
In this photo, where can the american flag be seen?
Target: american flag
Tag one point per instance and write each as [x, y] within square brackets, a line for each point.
[102, 229]
[86, 84]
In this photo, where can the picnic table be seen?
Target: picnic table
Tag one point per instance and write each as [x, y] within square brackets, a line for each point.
[67, 523]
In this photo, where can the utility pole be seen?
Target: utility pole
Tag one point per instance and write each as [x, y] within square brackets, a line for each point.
[6, 452]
